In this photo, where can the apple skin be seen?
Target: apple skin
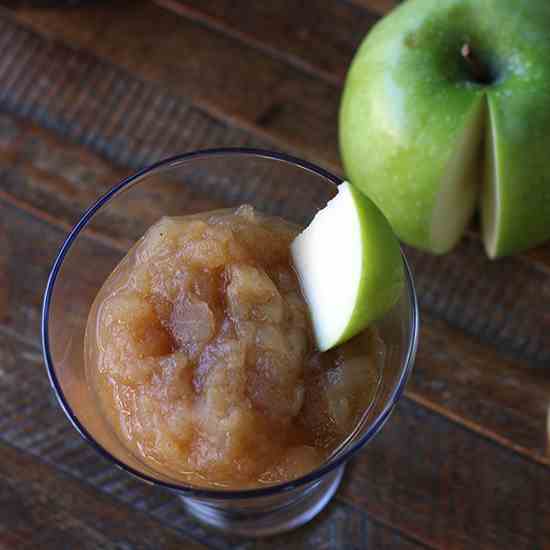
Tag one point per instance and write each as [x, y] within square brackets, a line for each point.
[350, 267]
[410, 97]
[383, 274]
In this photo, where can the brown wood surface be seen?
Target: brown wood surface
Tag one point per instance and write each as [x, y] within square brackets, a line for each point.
[280, 103]
[381, 7]
[303, 33]
[463, 463]
[44, 508]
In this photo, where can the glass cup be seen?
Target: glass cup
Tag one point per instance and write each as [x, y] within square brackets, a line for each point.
[275, 184]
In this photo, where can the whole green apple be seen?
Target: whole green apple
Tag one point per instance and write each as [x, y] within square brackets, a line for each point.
[446, 108]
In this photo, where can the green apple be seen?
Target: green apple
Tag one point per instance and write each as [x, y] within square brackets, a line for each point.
[446, 108]
[349, 265]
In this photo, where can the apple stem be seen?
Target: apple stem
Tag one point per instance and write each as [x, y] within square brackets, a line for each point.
[477, 69]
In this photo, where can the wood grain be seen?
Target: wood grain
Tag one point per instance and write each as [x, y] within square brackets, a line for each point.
[129, 121]
[318, 36]
[419, 467]
[58, 179]
[449, 488]
[473, 385]
[137, 35]
[43, 508]
[377, 6]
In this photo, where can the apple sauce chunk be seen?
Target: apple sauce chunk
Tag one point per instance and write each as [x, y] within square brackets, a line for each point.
[200, 348]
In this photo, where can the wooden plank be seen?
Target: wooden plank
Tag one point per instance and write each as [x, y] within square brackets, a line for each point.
[102, 107]
[449, 488]
[472, 384]
[420, 470]
[342, 528]
[42, 429]
[150, 41]
[481, 297]
[43, 508]
[319, 36]
[61, 179]
[378, 6]
[425, 529]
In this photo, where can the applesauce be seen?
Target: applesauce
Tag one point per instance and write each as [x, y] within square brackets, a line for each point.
[200, 348]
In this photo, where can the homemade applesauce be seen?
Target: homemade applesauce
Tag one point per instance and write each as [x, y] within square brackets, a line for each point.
[200, 349]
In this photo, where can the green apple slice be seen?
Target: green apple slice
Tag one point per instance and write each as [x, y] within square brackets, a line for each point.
[350, 267]
[515, 203]
[458, 189]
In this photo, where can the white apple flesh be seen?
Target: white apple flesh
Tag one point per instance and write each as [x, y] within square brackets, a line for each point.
[349, 265]
[447, 107]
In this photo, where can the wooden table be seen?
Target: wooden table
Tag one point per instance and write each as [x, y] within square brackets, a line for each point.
[87, 96]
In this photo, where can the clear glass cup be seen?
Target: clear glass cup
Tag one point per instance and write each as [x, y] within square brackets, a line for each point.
[204, 180]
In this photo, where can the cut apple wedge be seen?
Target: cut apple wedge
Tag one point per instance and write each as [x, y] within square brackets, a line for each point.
[456, 200]
[349, 264]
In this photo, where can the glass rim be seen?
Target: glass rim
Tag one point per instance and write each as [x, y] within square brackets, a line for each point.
[189, 490]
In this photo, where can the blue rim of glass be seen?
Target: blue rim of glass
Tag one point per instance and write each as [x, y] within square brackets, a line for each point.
[191, 490]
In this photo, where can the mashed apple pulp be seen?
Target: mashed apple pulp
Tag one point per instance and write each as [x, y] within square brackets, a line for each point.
[200, 348]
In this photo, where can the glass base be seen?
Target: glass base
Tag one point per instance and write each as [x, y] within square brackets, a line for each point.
[269, 518]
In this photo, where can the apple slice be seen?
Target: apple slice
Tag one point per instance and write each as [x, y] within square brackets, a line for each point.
[350, 267]
[456, 199]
